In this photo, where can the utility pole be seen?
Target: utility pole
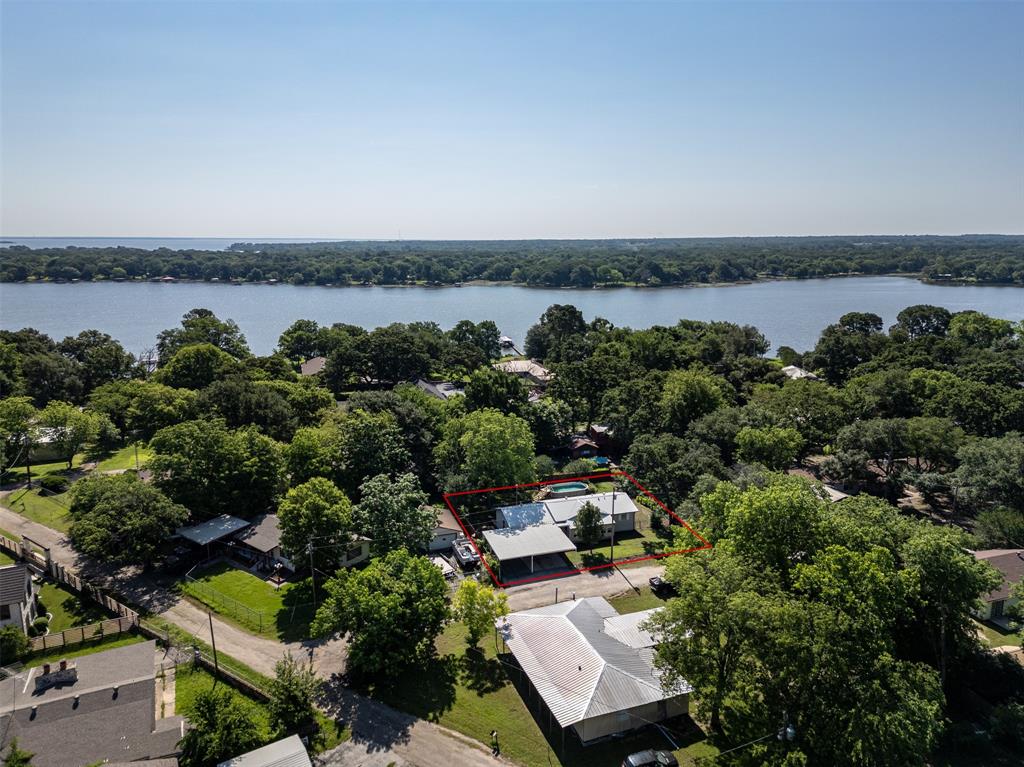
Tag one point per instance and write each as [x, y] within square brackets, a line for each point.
[613, 525]
[312, 571]
[213, 642]
[136, 456]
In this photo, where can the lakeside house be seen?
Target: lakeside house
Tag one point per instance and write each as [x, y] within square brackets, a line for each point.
[796, 373]
[99, 708]
[1010, 564]
[535, 531]
[592, 667]
[530, 371]
[18, 593]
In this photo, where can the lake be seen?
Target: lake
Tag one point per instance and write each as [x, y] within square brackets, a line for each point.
[788, 312]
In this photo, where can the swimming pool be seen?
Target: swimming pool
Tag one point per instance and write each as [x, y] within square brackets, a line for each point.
[568, 489]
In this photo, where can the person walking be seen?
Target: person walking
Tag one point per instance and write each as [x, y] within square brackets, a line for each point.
[495, 748]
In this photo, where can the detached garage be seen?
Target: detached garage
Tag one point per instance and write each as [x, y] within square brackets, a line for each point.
[528, 544]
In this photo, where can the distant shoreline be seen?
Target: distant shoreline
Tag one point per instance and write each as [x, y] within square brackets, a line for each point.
[510, 283]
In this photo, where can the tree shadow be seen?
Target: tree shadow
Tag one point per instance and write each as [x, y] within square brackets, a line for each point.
[481, 674]
[292, 621]
[426, 690]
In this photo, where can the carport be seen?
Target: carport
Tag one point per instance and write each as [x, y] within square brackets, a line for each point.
[527, 543]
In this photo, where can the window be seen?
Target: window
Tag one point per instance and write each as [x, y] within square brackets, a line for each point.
[5, 612]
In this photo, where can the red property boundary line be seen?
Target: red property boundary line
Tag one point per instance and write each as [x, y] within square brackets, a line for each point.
[616, 473]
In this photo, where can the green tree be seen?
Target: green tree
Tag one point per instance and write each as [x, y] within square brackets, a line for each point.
[221, 726]
[318, 513]
[101, 358]
[485, 449]
[122, 519]
[587, 526]
[14, 644]
[495, 389]
[369, 444]
[922, 320]
[196, 366]
[208, 468]
[293, 694]
[550, 421]
[392, 611]
[558, 324]
[703, 628]
[670, 466]
[1000, 528]
[143, 407]
[201, 326]
[17, 757]
[813, 408]
[10, 370]
[687, 395]
[393, 514]
[991, 471]
[68, 428]
[242, 402]
[17, 432]
[478, 606]
[771, 446]
[950, 581]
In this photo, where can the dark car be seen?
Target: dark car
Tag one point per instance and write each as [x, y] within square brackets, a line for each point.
[650, 758]
[661, 587]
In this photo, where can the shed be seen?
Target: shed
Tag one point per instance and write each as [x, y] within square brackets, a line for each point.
[17, 597]
[446, 532]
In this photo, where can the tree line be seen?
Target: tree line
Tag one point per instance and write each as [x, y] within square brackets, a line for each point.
[556, 263]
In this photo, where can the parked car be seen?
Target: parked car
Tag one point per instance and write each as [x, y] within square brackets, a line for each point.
[662, 588]
[651, 758]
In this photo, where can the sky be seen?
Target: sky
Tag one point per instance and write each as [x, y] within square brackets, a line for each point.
[510, 120]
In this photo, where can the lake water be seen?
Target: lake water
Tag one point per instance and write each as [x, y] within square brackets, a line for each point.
[789, 312]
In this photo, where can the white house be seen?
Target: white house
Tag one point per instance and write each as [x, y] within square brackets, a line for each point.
[446, 532]
[17, 597]
[1010, 564]
[592, 667]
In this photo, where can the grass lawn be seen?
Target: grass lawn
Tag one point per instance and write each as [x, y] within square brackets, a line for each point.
[627, 546]
[20, 473]
[86, 648]
[996, 637]
[191, 680]
[51, 511]
[631, 602]
[252, 603]
[474, 694]
[5, 558]
[68, 609]
[123, 458]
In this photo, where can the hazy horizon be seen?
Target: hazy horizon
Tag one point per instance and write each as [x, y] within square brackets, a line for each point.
[506, 121]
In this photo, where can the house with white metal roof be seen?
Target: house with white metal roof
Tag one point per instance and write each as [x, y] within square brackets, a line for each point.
[529, 531]
[287, 752]
[592, 667]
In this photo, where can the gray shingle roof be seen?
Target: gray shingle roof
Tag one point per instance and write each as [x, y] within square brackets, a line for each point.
[263, 534]
[14, 581]
[1010, 563]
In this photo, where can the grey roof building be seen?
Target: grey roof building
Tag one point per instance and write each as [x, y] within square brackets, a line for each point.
[287, 752]
[95, 708]
[17, 597]
[592, 667]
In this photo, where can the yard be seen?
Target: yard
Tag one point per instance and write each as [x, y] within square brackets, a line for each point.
[20, 473]
[68, 608]
[49, 510]
[996, 637]
[123, 458]
[639, 543]
[252, 603]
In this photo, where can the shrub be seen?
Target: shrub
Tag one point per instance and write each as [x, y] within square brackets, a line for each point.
[54, 483]
[13, 644]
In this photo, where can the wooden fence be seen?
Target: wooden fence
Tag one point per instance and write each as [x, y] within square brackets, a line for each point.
[80, 634]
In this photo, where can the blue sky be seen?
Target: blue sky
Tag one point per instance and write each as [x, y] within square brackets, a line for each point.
[510, 120]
